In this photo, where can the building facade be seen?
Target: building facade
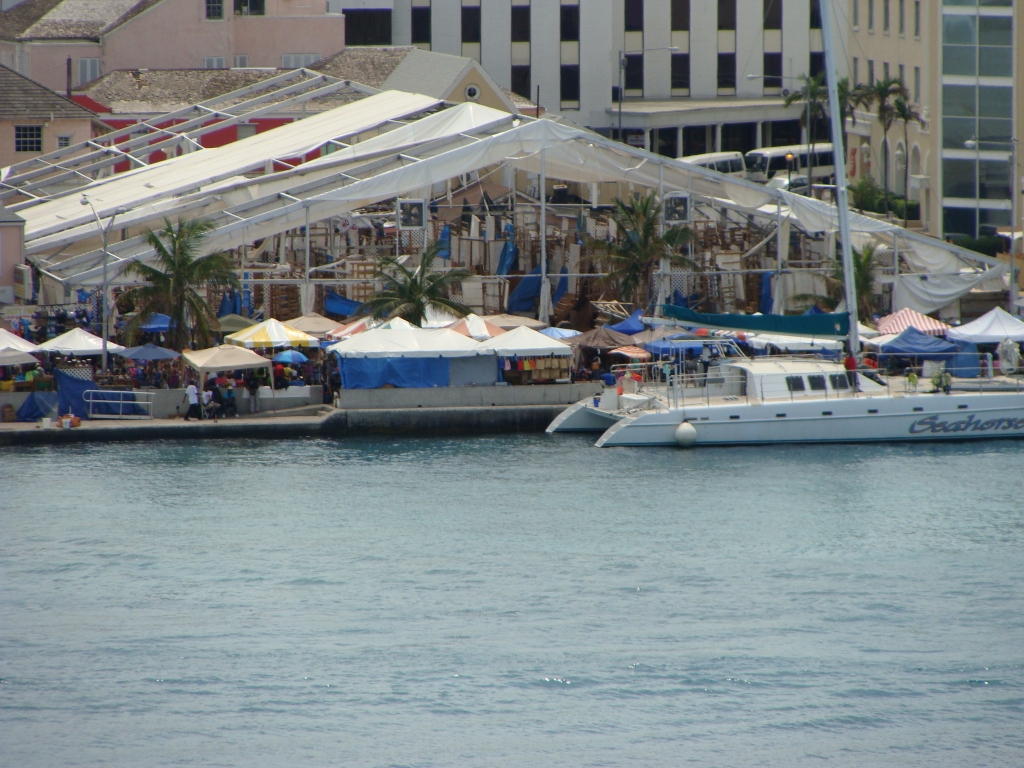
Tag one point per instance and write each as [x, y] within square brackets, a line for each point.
[696, 75]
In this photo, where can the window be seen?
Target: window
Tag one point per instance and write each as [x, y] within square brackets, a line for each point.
[795, 383]
[245, 130]
[727, 14]
[885, 70]
[570, 23]
[903, 17]
[855, 15]
[680, 71]
[241, 61]
[917, 18]
[815, 14]
[817, 382]
[773, 14]
[367, 26]
[817, 63]
[215, 9]
[421, 25]
[917, 84]
[471, 23]
[839, 381]
[903, 75]
[726, 70]
[63, 142]
[250, 7]
[298, 60]
[773, 70]
[871, 15]
[88, 70]
[634, 73]
[634, 15]
[214, 62]
[28, 138]
[885, 15]
[959, 178]
[871, 72]
[856, 70]
[570, 82]
[520, 24]
[680, 15]
[521, 78]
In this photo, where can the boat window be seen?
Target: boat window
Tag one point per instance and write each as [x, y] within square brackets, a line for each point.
[817, 382]
[795, 383]
[839, 381]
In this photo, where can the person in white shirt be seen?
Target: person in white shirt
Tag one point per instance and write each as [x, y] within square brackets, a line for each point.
[192, 395]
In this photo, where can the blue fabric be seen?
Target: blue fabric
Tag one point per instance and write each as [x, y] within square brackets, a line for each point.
[559, 333]
[148, 352]
[39, 405]
[913, 343]
[226, 306]
[156, 323]
[767, 302]
[509, 259]
[522, 298]
[69, 391]
[814, 309]
[672, 348]
[966, 363]
[679, 300]
[563, 285]
[631, 324]
[339, 305]
[404, 372]
[828, 325]
[290, 356]
[444, 242]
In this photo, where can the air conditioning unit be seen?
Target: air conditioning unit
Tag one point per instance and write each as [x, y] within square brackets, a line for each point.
[23, 282]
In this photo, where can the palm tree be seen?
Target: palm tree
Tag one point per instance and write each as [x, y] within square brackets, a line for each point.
[814, 94]
[863, 281]
[851, 98]
[882, 92]
[407, 293]
[175, 280]
[906, 113]
[642, 247]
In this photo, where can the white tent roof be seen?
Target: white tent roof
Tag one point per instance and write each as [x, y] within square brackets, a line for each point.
[271, 334]
[990, 328]
[13, 341]
[526, 342]
[226, 357]
[10, 356]
[408, 342]
[78, 342]
[476, 327]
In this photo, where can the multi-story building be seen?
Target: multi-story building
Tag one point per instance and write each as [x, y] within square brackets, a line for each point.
[66, 43]
[696, 76]
[959, 60]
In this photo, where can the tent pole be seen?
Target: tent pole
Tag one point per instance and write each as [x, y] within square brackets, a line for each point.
[305, 287]
[545, 289]
[665, 266]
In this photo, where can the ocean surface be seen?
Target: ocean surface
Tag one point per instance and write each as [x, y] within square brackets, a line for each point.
[511, 601]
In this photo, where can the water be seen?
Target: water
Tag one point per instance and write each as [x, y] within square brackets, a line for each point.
[524, 600]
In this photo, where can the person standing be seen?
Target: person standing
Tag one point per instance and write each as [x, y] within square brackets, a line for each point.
[192, 395]
[850, 364]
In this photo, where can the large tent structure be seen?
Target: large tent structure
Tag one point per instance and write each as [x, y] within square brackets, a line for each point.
[80, 343]
[990, 328]
[271, 334]
[13, 341]
[905, 318]
[313, 323]
[225, 357]
[526, 342]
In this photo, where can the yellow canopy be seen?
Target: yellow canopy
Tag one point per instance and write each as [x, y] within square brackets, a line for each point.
[271, 334]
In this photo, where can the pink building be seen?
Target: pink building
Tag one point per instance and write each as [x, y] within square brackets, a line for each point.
[66, 43]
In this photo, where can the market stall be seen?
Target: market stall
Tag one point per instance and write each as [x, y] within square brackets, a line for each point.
[526, 356]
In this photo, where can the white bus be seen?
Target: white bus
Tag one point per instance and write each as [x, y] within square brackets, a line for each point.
[730, 163]
[763, 164]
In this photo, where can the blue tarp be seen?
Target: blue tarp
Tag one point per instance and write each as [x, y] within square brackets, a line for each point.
[560, 333]
[444, 243]
[339, 305]
[830, 325]
[39, 405]
[631, 324]
[523, 297]
[230, 304]
[406, 372]
[563, 285]
[673, 348]
[966, 363]
[679, 300]
[767, 302]
[913, 343]
[156, 323]
[509, 259]
[148, 352]
[69, 391]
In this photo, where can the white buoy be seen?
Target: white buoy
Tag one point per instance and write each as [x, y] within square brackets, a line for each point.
[686, 435]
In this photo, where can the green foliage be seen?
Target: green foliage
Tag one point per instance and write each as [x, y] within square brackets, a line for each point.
[863, 280]
[407, 293]
[173, 284]
[866, 195]
[988, 246]
[640, 249]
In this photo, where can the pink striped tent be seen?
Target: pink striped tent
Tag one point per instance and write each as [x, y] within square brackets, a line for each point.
[898, 322]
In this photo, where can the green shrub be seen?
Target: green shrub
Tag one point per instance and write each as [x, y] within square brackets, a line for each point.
[989, 246]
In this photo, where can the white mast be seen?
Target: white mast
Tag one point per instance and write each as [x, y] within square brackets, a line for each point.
[839, 155]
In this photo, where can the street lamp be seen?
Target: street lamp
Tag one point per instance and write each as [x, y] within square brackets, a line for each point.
[789, 171]
[106, 255]
[622, 68]
[975, 144]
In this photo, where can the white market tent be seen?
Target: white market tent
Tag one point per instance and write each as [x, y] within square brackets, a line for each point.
[271, 334]
[13, 341]
[225, 357]
[80, 343]
[408, 341]
[313, 323]
[990, 328]
[476, 328]
[10, 356]
[526, 342]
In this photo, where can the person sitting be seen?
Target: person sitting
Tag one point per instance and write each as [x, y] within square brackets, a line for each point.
[210, 406]
[229, 405]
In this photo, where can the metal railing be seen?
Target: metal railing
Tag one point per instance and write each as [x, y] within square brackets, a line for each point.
[110, 399]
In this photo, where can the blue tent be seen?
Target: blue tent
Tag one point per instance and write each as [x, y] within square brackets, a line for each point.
[148, 352]
[631, 324]
[230, 304]
[913, 343]
[673, 348]
[966, 363]
[559, 333]
[156, 323]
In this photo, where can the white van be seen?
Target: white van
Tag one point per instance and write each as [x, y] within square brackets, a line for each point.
[764, 163]
[730, 163]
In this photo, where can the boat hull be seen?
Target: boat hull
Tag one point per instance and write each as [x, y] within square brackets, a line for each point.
[868, 419]
[583, 417]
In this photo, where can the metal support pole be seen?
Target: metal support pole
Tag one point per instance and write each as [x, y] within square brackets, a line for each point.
[842, 206]
[105, 310]
[305, 288]
[621, 67]
[1015, 180]
[666, 265]
[545, 288]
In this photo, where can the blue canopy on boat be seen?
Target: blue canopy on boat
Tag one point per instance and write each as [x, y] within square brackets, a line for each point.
[631, 324]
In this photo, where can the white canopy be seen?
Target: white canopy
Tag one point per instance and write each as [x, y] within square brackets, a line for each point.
[271, 334]
[78, 342]
[476, 327]
[408, 341]
[226, 357]
[990, 328]
[312, 323]
[10, 356]
[13, 341]
[526, 342]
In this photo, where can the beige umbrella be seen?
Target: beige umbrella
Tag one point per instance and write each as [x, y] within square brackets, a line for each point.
[226, 357]
[314, 324]
[508, 322]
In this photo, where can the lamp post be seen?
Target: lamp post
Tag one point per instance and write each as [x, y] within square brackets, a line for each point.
[622, 68]
[105, 231]
[975, 144]
[789, 171]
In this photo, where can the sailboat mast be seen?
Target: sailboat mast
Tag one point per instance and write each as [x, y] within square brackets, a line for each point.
[839, 155]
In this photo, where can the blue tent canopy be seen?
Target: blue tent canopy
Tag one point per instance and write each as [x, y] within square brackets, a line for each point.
[913, 343]
[673, 348]
[230, 304]
[148, 352]
[631, 324]
[559, 333]
[156, 323]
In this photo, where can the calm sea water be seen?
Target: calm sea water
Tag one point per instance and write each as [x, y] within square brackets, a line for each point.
[506, 601]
